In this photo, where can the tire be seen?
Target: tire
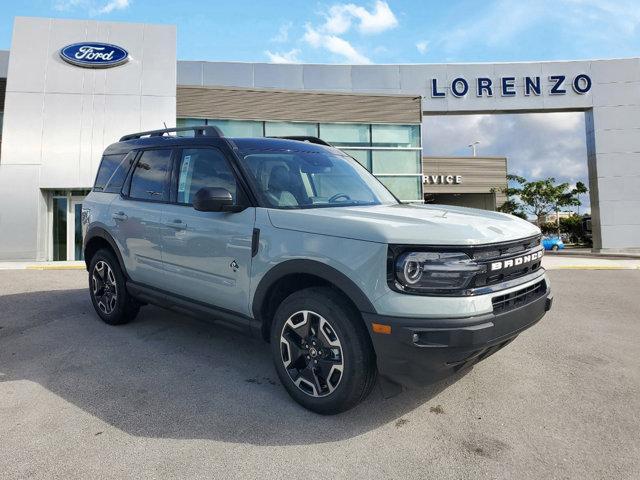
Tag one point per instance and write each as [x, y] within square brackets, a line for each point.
[339, 370]
[555, 248]
[108, 291]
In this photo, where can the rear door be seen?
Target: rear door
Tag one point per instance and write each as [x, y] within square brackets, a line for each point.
[207, 255]
[137, 215]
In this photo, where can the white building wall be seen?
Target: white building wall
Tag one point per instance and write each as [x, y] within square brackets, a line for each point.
[612, 107]
[60, 117]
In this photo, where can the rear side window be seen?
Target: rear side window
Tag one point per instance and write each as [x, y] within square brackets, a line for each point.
[108, 166]
[150, 178]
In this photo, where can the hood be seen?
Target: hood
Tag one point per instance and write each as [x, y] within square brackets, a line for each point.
[408, 224]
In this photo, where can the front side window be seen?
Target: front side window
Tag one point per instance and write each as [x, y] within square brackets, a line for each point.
[290, 179]
[150, 178]
[203, 167]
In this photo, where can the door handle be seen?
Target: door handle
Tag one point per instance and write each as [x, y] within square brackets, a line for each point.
[178, 224]
[119, 216]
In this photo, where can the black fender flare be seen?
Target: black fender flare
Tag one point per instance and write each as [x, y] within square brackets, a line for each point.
[99, 232]
[317, 269]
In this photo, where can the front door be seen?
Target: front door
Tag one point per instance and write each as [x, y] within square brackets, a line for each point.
[207, 255]
[66, 228]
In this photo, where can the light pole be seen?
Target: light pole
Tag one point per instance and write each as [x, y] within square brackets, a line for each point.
[473, 147]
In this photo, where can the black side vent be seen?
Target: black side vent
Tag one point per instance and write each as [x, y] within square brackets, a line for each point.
[509, 301]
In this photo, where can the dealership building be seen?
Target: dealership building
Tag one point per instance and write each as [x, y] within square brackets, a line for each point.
[69, 88]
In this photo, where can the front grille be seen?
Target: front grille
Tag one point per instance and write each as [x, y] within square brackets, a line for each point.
[509, 301]
[503, 253]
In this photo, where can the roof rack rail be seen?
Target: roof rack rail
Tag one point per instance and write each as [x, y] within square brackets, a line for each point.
[302, 138]
[198, 131]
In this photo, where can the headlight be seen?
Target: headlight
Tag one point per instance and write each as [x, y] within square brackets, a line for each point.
[433, 272]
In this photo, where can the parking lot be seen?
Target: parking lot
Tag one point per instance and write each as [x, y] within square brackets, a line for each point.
[170, 396]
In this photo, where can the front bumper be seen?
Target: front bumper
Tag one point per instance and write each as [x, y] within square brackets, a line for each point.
[419, 351]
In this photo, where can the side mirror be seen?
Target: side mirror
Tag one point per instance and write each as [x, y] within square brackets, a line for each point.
[214, 199]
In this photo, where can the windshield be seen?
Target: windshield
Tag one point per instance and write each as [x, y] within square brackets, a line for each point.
[290, 179]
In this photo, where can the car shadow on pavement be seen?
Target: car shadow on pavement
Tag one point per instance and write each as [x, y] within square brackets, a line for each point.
[171, 376]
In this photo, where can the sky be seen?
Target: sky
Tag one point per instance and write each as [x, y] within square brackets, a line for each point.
[399, 31]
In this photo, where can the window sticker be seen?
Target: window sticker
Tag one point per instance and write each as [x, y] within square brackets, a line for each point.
[184, 169]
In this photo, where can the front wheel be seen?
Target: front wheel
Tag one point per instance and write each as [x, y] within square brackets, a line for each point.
[108, 291]
[322, 351]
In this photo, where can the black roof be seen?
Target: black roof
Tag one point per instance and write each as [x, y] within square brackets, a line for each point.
[260, 143]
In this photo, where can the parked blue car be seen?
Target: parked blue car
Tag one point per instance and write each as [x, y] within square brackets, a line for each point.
[552, 243]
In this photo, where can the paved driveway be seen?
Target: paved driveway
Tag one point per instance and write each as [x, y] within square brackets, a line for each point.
[169, 396]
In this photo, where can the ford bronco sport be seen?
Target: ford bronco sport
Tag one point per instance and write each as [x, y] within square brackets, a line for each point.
[294, 241]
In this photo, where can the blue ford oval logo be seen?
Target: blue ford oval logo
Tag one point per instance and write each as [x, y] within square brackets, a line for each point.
[94, 54]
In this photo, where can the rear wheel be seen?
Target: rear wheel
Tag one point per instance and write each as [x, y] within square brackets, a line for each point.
[108, 290]
[322, 351]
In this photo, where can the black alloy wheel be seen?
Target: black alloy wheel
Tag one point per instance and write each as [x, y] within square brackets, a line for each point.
[311, 353]
[107, 287]
[322, 350]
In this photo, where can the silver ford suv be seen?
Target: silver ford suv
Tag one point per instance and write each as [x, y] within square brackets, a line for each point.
[295, 242]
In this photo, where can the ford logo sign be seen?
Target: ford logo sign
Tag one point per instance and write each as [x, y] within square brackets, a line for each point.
[94, 55]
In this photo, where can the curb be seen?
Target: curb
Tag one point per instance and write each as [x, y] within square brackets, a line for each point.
[608, 256]
[54, 267]
[592, 267]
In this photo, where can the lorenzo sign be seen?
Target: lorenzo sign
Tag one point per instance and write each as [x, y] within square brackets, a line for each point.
[94, 55]
[506, 86]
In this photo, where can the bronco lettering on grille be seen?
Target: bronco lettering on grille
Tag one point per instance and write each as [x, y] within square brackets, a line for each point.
[515, 262]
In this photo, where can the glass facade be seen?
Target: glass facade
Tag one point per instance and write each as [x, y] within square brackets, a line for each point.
[346, 134]
[390, 151]
[362, 156]
[281, 129]
[403, 187]
[400, 136]
[234, 128]
[396, 162]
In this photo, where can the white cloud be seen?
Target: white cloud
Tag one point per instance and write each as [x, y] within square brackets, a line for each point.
[114, 5]
[329, 32]
[283, 33]
[284, 57]
[92, 7]
[422, 46]
[334, 44]
[340, 17]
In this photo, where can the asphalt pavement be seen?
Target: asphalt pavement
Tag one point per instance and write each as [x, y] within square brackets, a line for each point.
[172, 397]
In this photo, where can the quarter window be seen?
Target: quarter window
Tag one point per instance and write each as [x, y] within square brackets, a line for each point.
[203, 167]
[150, 179]
[108, 165]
